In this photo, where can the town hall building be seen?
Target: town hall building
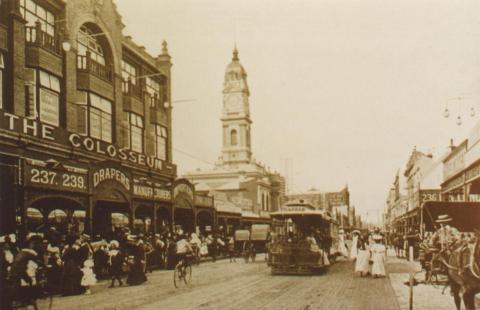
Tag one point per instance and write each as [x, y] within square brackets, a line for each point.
[238, 182]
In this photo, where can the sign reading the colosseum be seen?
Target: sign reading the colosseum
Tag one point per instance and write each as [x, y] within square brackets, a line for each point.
[112, 151]
[35, 128]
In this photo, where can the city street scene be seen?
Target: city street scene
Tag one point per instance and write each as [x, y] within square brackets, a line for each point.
[255, 154]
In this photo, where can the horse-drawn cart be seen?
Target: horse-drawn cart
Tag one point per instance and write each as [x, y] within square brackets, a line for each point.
[456, 262]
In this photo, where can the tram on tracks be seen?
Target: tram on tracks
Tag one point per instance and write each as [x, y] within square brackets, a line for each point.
[295, 231]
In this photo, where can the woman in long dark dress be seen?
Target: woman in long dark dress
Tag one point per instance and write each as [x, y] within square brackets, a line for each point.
[72, 274]
[136, 274]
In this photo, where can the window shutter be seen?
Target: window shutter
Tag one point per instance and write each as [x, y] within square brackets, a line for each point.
[31, 107]
[126, 130]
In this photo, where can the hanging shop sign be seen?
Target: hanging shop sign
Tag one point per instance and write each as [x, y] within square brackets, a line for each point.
[152, 191]
[58, 179]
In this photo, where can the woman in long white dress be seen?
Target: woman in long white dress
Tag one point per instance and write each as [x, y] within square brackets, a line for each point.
[354, 249]
[378, 255]
[362, 265]
[342, 248]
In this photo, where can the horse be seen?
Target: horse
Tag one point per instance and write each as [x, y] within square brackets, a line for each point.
[464, 274]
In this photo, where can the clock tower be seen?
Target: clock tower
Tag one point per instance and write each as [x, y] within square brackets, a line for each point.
[236, 121]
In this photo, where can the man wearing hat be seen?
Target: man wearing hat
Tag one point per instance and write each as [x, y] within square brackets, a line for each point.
[446, 234]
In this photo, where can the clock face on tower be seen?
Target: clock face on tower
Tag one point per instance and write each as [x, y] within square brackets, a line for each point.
[234, 104]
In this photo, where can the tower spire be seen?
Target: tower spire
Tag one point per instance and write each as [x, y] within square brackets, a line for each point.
[235, 52]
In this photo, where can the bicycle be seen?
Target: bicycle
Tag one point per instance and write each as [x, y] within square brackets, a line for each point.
[183, 272]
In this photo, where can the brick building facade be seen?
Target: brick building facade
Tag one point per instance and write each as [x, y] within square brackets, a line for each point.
[85, 124]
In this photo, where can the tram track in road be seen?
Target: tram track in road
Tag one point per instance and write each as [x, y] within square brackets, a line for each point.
[224, 285]
[215, 291]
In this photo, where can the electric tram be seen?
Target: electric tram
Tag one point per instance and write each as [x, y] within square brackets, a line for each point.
[302, 237]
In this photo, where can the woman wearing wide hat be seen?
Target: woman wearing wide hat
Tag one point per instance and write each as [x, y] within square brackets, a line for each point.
[378, 256]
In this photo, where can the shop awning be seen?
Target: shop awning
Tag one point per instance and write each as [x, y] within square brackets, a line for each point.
[465, 215]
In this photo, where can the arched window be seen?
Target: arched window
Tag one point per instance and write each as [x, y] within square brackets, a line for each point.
[87, 40]
[233, 137]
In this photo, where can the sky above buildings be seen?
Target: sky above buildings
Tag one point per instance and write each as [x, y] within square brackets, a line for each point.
[343, 88]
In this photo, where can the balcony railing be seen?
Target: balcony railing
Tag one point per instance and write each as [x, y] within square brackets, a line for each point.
[37, 37]
[86, 64]
[131, 89]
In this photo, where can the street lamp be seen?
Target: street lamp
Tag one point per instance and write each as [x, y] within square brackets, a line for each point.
[446, 113]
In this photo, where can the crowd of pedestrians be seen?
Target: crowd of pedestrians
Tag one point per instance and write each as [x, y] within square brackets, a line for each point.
[52, 263]
[369, 253]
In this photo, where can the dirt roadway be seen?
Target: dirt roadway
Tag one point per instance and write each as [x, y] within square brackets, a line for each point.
[224, 285]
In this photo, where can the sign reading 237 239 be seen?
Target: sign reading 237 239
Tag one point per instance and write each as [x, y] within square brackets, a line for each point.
[55, 179]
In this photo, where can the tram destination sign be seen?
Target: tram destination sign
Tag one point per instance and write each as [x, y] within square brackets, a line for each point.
[44, 177]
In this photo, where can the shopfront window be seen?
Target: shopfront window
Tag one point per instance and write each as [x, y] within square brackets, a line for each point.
[161, 142]
[136, 132]
[33, 12]
[94, 117]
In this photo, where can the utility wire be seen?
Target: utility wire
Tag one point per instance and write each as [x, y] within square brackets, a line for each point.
[146, 137]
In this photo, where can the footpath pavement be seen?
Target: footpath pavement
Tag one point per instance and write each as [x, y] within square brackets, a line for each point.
[425, 297]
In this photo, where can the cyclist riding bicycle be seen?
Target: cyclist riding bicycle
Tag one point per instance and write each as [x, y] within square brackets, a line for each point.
[184, 249]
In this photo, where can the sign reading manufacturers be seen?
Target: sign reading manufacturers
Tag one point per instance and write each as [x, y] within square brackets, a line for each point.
[37, 176]
[151, 192]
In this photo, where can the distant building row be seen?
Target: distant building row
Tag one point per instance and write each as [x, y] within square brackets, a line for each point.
[337, 203]
[454, 177]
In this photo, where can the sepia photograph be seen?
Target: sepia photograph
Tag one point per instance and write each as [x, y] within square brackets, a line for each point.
[240, 154]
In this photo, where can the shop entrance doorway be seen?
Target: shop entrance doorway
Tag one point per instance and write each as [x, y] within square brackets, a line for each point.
[109, 218]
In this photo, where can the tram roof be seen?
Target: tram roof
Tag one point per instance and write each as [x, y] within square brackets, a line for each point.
[301, 213]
